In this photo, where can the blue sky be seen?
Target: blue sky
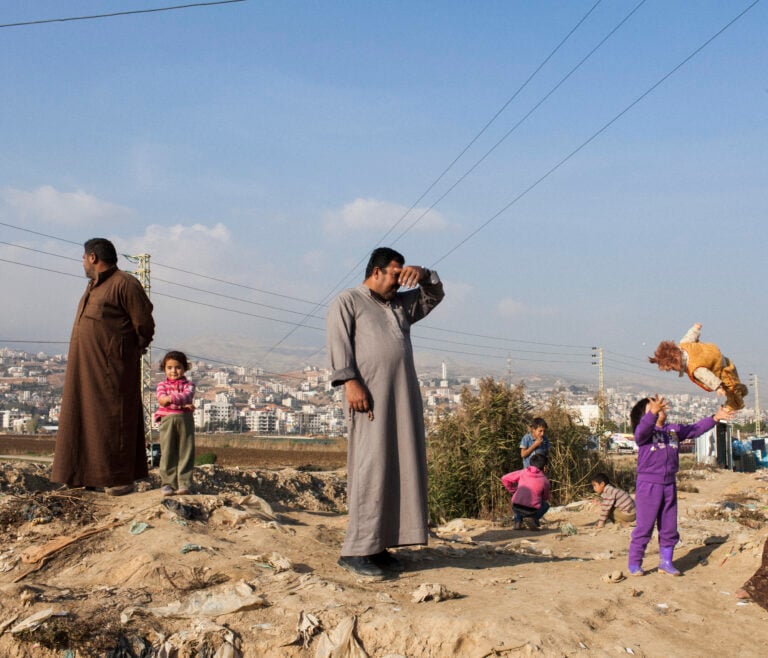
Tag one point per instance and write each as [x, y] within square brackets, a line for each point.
[273, 145]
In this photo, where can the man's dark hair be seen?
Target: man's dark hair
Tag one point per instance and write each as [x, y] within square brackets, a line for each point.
[638, 411]
[539, 461]
[382, 257]
[105, 251]
[600, 478]
[536, 423]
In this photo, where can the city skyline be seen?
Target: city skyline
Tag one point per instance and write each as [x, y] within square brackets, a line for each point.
[258, 153]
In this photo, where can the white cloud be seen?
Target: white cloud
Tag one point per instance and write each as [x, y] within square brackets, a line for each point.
[46, 204]
[372, 214]
[511, 308]
[207, 246]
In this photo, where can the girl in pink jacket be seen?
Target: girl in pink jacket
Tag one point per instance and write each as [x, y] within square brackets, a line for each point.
[175, 397]
[530, 492]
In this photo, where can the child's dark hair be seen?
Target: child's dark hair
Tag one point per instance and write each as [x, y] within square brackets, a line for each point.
[600, 478]
[638, 411]
[536, 423]
[175, 356]
[539, 461]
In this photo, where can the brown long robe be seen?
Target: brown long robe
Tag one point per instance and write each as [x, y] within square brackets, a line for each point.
[100, 442]
[757, 585]
[369, 339]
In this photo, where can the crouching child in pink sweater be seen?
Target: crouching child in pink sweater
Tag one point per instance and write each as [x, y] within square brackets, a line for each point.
[530, 492]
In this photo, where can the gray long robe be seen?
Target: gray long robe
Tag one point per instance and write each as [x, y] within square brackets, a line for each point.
[369, 339]
[100, 442]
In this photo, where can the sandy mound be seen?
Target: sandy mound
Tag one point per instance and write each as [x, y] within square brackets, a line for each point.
[247, 567]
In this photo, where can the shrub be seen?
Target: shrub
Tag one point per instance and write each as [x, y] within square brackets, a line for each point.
[469, 451]
[205, 458]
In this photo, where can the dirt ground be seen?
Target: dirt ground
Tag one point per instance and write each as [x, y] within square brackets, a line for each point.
[303, 458]
[222, 573]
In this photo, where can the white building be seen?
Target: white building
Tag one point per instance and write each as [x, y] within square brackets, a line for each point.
[215, 414]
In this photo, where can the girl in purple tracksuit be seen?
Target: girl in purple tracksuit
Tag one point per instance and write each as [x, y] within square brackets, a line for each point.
[657, 465]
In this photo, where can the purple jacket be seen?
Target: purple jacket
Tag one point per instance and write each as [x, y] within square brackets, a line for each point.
[657, 458]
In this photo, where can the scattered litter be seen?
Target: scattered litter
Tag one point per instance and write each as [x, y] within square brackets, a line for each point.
[228, 516]
[456, 525]
[340, 642]
[567, 529]
[5, 624]
[137, 527]
[211, 603]
[271, 561]
[433, 592]
[743, 603]
[34, 621]
[190, 548]
[37, 557]
[605, 555]
[185, 511]
[308, 626]
[8, 560]
[613, 577]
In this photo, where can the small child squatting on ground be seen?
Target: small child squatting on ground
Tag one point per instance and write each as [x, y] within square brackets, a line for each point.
[175, 395]
[530, 492]
[615, 504]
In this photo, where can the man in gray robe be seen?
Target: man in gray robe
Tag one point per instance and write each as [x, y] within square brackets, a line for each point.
[100, 442]
[369, 343]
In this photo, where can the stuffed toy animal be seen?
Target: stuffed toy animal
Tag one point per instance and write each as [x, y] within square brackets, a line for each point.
[704, 364]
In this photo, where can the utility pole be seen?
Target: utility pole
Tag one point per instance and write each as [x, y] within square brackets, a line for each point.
[597, 353]
[509, 370]
[142, 274]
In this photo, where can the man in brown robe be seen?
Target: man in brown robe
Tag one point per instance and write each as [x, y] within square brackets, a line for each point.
[369, 343]
[100, 442]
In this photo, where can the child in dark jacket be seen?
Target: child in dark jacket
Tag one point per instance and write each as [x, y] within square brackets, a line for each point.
[530, 492]
[656, 490]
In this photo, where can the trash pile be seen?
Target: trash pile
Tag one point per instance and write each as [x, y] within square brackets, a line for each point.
[47, 529]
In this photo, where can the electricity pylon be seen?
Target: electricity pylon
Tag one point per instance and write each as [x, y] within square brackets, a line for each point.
[601, 411]
[142, 274]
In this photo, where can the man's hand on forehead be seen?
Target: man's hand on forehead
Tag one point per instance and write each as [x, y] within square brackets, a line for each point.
[410, 275]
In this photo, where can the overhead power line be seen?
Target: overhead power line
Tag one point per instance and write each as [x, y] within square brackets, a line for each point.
[357, 265]
[522, 120]
[420, 328]
[129, 12]
[169, 267]
[597, 133]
